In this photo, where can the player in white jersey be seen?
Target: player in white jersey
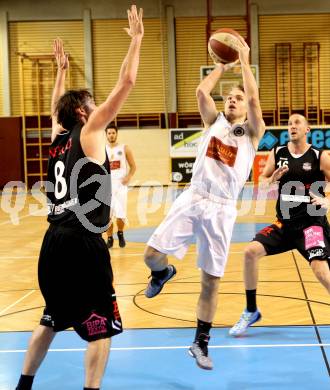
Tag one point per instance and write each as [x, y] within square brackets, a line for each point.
[122, 167]
[207, 209]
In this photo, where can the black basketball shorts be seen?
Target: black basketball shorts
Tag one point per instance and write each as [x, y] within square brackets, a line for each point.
[311, 239]
[76, 281]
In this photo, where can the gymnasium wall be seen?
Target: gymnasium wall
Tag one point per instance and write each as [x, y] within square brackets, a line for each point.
[110, 44]
[114, 9]
[294, 29]
[37, 38]
[11, 150]
[151, 152]
[1, 79]
[191, 53]
[151, 92]
[32, 30]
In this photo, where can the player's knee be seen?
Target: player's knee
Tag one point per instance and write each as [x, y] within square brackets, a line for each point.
[152, 256]
[251, 253]
[321, 273]
[323, 277]
[210, 285]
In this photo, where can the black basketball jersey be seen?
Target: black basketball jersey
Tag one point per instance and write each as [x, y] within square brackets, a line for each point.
[293, 193]
[78, 190]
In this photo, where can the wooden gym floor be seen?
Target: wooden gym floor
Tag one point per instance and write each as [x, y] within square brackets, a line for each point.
[287, 350]
[288, 293]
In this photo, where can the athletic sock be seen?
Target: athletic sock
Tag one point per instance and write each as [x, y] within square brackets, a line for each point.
[202, 336]
[160, 274]
[91, 388]
[251, 300]
[25, 382]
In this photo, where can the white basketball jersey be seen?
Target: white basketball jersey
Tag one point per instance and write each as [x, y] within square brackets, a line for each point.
[118, 162]
[224, 159]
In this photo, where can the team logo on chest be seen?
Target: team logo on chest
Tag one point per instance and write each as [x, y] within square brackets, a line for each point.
[238, 131]
[307, 166]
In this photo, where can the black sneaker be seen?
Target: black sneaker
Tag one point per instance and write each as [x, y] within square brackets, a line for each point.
[110, 242]
[121, 239]
[156, 284]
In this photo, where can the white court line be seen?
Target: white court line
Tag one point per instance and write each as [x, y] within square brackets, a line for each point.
[16, 302]
[123, 254]
[9, 221]
[178, 347]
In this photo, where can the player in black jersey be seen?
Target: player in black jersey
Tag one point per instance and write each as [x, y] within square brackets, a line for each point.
[301, 171]
[74, 270]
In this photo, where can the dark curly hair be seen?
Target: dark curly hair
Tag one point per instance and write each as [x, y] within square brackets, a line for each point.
[67, 105]
[111, 125]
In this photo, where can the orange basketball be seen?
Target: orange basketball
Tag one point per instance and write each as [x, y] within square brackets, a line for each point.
[222, 44]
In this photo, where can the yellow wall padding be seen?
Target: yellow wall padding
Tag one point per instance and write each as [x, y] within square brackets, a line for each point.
[191, 53]
[110, 45]
[37, 38]
[294, 29]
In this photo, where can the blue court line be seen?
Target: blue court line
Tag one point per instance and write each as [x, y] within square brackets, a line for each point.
[267, 358]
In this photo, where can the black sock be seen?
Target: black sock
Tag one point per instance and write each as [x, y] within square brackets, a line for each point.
[202, 336]
[160, 274]
[251, 300]
[91, 388]
[25, 382]
[120, 233]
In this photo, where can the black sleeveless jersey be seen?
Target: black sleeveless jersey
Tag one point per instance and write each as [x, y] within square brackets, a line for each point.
[78, 190]
[304, 174]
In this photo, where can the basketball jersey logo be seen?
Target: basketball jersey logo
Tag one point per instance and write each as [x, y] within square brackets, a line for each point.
[221, 152]
[307, 166]
[114, 165]
[238, 131]
[118, 162]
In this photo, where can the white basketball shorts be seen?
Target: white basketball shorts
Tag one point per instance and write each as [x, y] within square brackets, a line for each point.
[118, 200]
[194, 215]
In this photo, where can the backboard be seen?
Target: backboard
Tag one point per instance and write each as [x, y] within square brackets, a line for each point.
[229, 79]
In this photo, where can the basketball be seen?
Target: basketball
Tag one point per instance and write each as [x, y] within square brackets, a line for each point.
[222, 44]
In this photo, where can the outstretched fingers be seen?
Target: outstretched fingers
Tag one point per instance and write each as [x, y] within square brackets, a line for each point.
[58, 47]
[135, 21]
[140, 15]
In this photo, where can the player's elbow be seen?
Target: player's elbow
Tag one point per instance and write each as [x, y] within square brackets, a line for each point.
[129, 81]
[200, 93]
[253, 101]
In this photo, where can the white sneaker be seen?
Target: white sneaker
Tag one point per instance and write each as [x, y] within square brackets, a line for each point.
[247, 319]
